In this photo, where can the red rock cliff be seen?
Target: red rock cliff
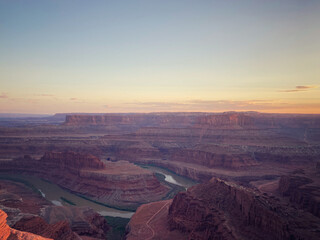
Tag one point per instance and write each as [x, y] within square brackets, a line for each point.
[227, 120]
[12, 234]
[4, 228]
[224, 211]
[37, 225]
[143, 119]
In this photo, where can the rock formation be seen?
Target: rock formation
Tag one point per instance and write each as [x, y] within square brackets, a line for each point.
[143, 119]
[211, 159]
[5, 230]
[302, 191]
[7, 233]
[120, 184]
[37, 225]
[227, 120]
[226, 211]
[72, 160]
[83, 220]
[221, 210]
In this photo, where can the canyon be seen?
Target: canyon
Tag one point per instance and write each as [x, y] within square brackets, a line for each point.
[265, 166]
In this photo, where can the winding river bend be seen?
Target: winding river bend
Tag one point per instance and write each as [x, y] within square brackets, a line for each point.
[59, 196]
[171, 177]
[55, 194]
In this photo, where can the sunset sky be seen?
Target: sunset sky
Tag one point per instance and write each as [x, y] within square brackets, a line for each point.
[151, 56]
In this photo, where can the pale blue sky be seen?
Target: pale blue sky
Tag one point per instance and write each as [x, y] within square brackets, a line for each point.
[100, 56]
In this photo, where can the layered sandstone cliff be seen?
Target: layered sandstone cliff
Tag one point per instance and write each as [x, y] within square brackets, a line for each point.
[12, 234]
[212, 159]
[120, 184]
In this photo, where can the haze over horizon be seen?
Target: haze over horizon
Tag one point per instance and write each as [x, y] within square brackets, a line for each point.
[159, 56]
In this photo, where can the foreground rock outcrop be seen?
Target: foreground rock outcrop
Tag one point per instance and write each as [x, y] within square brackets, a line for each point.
[226, 211]
[7, 233]
[120, 184]
[221, 210]
[37, 225]
[82, 220]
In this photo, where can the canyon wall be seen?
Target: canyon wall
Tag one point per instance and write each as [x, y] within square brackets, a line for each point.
[211, 159]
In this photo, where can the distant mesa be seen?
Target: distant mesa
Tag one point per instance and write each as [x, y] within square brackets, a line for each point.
[227, 120]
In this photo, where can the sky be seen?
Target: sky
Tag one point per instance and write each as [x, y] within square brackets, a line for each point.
[159, 56]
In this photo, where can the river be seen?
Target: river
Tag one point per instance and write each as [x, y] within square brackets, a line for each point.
[171, 177]
[55, 194]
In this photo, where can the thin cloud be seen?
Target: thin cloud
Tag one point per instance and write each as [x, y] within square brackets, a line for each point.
[4, 95]
[44, 95]
[299, 89]
[207, 105]
[73, 99]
